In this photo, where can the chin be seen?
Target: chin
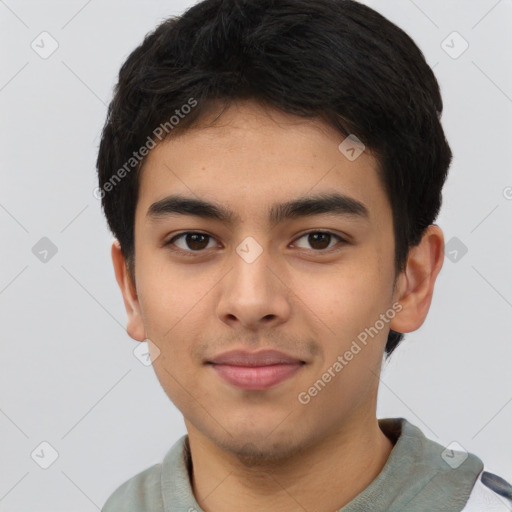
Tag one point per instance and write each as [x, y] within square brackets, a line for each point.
[261, 446]
[260, 452]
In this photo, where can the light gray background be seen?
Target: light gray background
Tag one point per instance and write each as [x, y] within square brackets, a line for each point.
[68, 374]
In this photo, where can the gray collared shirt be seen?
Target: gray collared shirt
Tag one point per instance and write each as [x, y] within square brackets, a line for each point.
[420, 475]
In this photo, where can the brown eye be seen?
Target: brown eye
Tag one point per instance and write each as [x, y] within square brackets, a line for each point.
[196, 241]
[191, 241]
[320, 240]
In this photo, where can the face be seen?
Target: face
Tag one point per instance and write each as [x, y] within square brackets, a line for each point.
[305, 281]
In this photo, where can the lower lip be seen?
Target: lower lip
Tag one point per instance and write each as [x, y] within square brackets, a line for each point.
[256, 378]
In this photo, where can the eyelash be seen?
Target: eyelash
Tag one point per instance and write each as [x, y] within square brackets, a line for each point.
[170, 242]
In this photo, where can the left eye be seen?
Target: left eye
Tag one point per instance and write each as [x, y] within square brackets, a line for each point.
[320, 240]
[194, 241]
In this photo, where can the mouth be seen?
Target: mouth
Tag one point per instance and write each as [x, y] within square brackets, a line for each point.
[255, 371]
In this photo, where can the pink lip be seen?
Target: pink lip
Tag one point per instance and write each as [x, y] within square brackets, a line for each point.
[255, 371]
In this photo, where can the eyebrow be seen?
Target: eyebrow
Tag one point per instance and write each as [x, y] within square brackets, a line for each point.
[306, 206]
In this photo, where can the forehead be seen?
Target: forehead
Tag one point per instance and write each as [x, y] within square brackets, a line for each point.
[252, 157]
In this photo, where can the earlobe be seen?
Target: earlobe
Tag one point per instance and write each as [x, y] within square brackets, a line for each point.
[415, 285]
[135, 325]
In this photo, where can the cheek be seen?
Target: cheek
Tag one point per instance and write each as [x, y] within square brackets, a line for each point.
[168, 293]
[344, 300]
[177, 311]
[349, 306]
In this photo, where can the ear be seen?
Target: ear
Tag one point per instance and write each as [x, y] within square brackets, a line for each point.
[135, 326]
[415, 285]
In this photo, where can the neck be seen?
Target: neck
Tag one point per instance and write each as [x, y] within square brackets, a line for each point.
[323, 477]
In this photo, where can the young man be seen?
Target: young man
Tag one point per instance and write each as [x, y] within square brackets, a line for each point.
[271, 170]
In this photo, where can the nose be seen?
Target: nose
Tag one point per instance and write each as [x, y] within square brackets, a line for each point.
[253, 294]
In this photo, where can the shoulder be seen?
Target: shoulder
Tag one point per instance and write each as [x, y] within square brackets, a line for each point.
[156, 487]
[491, 493]
[139, 494]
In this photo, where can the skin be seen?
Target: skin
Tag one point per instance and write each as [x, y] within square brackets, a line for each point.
[262, 450]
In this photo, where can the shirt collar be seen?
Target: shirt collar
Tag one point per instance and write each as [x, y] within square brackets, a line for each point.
[420, 475]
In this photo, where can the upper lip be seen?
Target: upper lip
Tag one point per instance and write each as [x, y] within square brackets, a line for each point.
[261, 358]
